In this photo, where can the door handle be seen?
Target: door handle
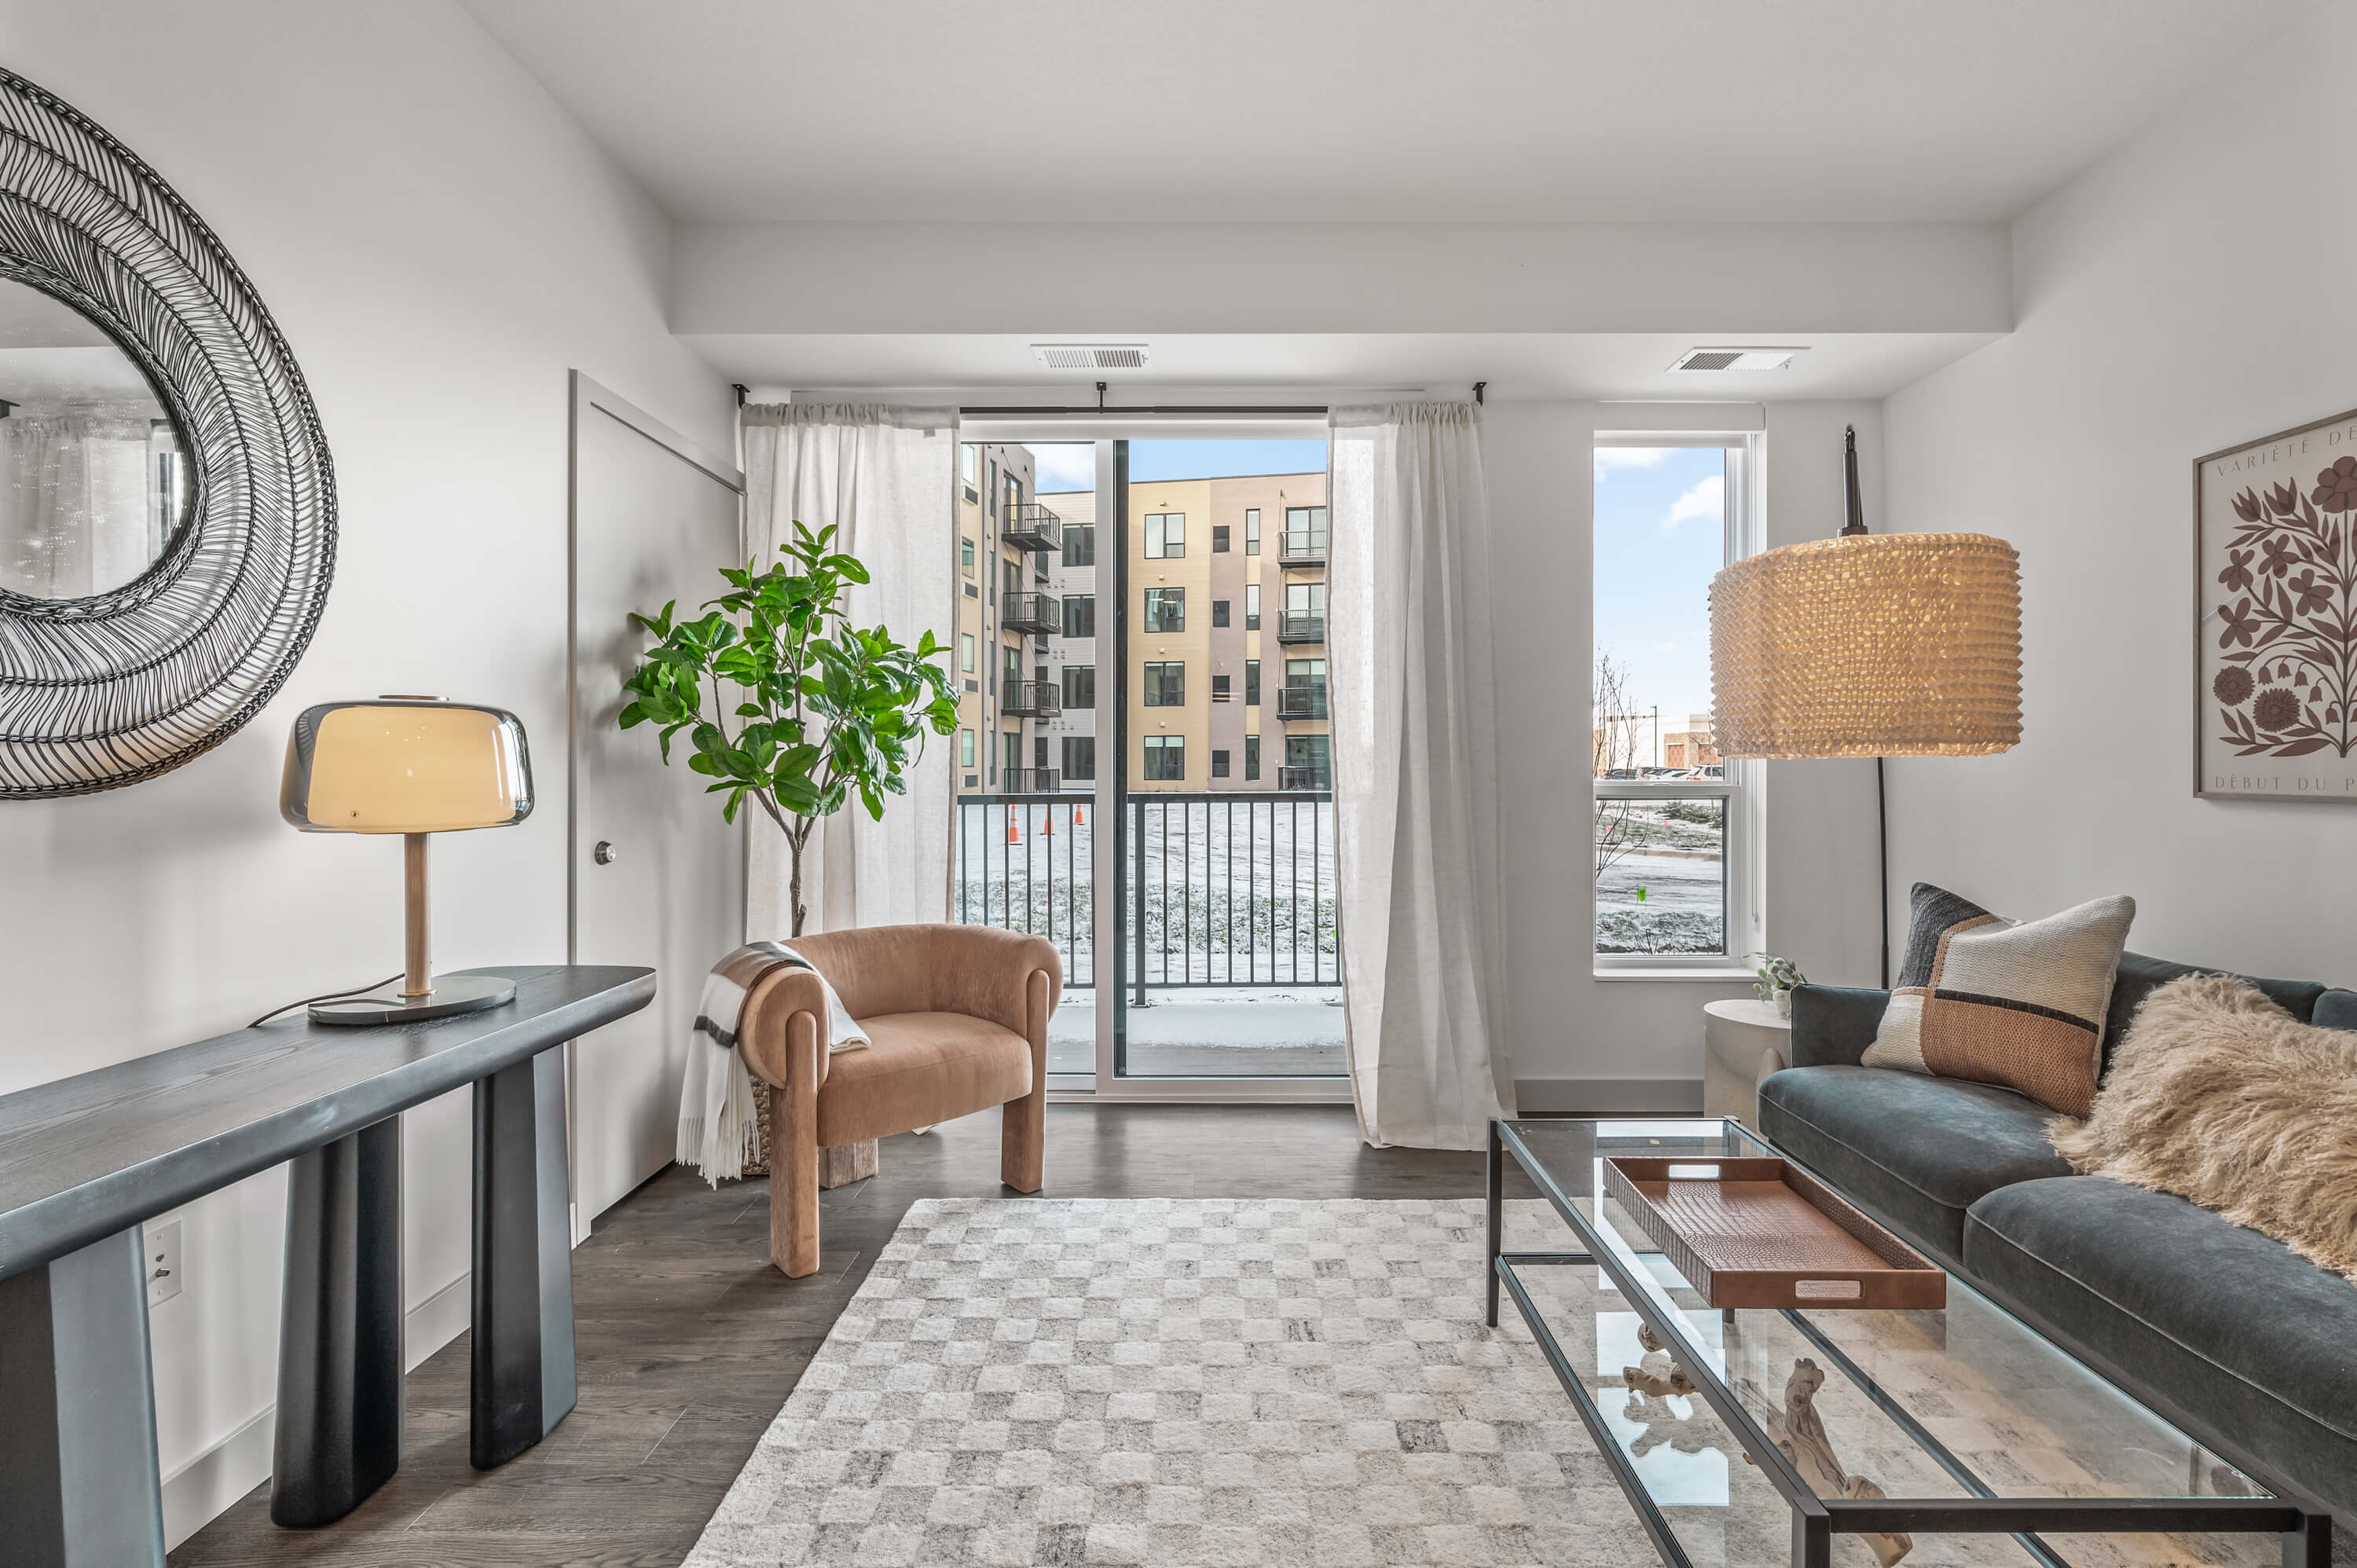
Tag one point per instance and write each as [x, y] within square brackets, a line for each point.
[604, 854]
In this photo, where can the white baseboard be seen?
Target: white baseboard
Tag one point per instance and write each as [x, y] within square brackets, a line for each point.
[1609, 1096]
[209, 1484]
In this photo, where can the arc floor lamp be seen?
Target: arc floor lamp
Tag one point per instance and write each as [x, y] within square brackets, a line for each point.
[1868, 645]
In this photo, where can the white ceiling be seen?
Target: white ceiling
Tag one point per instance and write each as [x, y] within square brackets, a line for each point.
[1515, 364]
[1815, 111]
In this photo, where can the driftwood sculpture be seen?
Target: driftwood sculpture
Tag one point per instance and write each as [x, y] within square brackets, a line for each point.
[1800, 1431]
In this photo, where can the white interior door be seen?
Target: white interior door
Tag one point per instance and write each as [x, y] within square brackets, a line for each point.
[653, 520]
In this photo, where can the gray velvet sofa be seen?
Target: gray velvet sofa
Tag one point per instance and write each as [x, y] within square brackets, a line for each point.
[2236, 1337]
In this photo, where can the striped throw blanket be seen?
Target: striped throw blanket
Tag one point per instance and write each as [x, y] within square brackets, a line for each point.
[719, 1133]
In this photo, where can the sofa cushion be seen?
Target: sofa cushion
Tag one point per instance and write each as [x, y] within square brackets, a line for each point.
[2217, 1326]
[919, 1069]
[2336, 1009]
[2140, 976]
[1914, 1151]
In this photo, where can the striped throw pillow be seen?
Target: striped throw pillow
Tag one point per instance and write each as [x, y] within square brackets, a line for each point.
[2020, 1004]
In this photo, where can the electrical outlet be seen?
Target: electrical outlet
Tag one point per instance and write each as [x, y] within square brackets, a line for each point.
[163, 1243]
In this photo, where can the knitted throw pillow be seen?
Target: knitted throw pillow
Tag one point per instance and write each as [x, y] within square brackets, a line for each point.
[2020, 1005]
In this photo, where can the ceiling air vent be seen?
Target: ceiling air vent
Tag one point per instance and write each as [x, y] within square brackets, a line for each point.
[1736, 360]
[1090, 356]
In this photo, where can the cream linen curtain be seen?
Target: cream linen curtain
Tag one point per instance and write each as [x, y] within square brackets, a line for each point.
[882, 476]
[1415, 775]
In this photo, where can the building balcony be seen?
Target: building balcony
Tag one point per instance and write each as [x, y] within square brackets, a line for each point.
[1313, 778]
[1300, 626]
[1031, 699]
[1301, 702]
[1030, 526]
[1032, 780]
[1040, 613]
[1301, 547]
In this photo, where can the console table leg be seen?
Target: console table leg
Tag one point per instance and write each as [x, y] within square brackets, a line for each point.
[78, 1413]
[524, 1376]
[2310, 1546]
[340, 1344]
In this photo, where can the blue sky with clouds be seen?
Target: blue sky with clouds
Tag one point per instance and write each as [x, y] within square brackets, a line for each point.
[1660, 538]
[1069, 465]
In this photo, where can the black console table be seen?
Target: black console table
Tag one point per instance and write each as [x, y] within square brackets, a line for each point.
[85, 1160]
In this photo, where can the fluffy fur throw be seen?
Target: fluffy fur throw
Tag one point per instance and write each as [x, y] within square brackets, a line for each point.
[2220, 1096]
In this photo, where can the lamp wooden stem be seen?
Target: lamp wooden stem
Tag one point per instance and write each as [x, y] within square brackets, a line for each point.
[419, 978]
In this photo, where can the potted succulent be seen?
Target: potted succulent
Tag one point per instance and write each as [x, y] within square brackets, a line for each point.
[1778, 976]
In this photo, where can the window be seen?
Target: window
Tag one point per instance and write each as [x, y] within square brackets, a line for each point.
[1013, 571]
[968, 455]
[1307, 763]
[994, 489]
[1014, 664]
[966, 653]
[1304, 611]
[1166, 609]
[971, 591]
[1219, 765]
[1040, 752]
[1014, 746]
[965, 736]
[965, 550]
[1166, 684]
[1080, 757]
[1251, 682]
[1218, 612]
[1166, 534]
[1079, 544]
[1166, 758]
[1218, 547]
[1251, 606]
[1251, 757]
[1080, 614]
[1080, 686]
[1219, 688]
[1014, 496]
[1305, 532]
[1674, 827]
[1252, 531]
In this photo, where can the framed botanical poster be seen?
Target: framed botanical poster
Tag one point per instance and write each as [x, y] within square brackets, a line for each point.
[2274, 606]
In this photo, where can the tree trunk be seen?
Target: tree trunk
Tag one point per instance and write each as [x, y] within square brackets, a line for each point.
[794, 841]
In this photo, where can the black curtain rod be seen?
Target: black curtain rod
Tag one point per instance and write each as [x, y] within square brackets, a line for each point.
[1158, 410]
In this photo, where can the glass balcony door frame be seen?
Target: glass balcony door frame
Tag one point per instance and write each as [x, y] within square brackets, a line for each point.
[1111, 432]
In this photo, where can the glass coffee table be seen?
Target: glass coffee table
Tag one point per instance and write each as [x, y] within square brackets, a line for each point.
[1745, 1438]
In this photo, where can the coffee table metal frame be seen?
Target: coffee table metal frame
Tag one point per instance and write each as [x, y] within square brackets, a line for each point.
[2306, 1529]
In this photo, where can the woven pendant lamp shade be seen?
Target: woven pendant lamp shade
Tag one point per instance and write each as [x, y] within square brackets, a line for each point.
[1868, 645]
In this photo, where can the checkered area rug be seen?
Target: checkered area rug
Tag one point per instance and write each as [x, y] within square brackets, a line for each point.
[1176, 1382]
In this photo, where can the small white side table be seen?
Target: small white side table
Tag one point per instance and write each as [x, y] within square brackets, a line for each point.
[1742, 1042]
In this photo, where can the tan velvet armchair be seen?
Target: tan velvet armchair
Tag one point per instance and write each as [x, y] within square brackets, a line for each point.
[958, 1017]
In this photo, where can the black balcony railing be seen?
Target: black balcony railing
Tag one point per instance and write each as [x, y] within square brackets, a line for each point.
[1032, 780]
[1293, 626]
[1301, 546]
[1216, 889]
[1030, 526]
[1041, 613]
[1301, 702]
[1315, 776]
[1031, 699]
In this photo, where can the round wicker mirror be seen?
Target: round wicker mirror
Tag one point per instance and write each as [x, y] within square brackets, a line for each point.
[167, 506]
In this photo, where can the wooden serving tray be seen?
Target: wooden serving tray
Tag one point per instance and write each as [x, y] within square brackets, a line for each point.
[1763, 1232]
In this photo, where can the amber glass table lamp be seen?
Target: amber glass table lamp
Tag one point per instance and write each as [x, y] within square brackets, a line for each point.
[411, 766]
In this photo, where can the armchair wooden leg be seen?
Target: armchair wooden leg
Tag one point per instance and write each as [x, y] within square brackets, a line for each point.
[1023, 1141]
[793, 1163]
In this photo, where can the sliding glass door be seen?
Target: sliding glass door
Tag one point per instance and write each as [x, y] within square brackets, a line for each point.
[1161, 803]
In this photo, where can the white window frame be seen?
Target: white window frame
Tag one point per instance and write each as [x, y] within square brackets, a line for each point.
[1744, 786]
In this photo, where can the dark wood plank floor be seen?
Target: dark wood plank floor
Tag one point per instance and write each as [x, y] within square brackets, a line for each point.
[689, 1341]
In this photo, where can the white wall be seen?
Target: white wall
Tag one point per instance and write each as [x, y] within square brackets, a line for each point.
[1578, 1041]
[2190, 293]
[439, 244]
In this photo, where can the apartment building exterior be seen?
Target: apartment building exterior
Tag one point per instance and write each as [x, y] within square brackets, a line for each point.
[1226, 677]
[1227, 645]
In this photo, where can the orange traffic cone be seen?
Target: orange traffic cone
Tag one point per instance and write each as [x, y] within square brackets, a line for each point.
[1079, 817]
[1048, 823]
[1014, 831]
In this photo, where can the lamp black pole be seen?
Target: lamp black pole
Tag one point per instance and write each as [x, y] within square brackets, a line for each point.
[1855, 525]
